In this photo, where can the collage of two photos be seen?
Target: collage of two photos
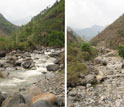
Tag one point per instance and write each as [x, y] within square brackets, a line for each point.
[61, 53]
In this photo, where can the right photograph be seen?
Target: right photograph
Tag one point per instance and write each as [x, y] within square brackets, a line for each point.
[95, 53]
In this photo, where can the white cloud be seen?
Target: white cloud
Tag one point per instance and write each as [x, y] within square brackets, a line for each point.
[85, 13]
[21, 11]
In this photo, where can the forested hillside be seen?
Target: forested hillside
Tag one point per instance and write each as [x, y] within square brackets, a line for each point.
[45, 29]
[6, 28]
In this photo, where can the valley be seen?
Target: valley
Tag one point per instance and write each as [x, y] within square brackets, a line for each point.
[32, 60]
[103, 86]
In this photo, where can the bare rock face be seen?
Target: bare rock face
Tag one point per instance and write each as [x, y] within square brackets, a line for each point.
[13, 101]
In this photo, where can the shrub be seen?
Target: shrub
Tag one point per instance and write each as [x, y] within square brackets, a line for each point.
[74, 71]
[88, 51]
[86, 47]
[121, 51]
[86, 56]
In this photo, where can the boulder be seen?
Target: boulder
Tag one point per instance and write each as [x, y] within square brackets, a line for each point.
[3, 74]
[90, 79]
[42, 103]
[2, 98]
[100, 77]
[13, 101]
[18, 63]
[44, 96]
[54, 67]
[28, 64]
[60, 101]
[100, 60]
[2, 53]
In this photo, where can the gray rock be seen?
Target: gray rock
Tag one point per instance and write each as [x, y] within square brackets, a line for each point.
[2, 98]
[90, 79]
[60, 101]
[28, 64]
[54, 67]
[42, 103]
[2, 53]
[13, 101]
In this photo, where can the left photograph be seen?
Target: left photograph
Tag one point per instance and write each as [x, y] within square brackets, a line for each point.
[32, 63]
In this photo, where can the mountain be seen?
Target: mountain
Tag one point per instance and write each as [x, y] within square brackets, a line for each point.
[6, 27]
[89, 33]
[112, 36]
[46, 29]
[72, 36]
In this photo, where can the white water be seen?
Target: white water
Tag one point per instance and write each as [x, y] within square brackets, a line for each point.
[24, 78]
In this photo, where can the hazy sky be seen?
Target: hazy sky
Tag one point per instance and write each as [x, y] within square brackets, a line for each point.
[85, 13]
[21, 11]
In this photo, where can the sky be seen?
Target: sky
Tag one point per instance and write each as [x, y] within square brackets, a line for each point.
[20, 12]
[86, 13]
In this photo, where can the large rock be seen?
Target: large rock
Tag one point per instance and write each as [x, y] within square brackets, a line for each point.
[28, 64]
[60, 101]
[54, 67]
[90, 79]
[2, 53]
[44, 96]
[2, 98]
[18, 63]
[13, 101]
[42, 103]
[100, 60]
[4, 74]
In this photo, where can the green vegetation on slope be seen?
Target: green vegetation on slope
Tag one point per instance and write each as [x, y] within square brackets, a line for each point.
[78, 54]
[46, 29]
[121, 51]
[6, 28]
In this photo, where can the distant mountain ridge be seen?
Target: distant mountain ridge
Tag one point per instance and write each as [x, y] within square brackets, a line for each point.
[6, 27]
[89, 33]
[112, 36]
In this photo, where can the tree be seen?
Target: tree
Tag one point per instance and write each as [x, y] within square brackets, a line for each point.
[121, 51]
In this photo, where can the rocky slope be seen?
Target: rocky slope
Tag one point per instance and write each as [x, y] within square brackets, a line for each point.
[103, 86]
[29, 78]
[112, 36]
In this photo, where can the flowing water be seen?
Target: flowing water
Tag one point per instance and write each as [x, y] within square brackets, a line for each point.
[25, 78]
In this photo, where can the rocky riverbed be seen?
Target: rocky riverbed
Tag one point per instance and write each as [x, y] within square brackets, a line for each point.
[103, 86]
[32, 79]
